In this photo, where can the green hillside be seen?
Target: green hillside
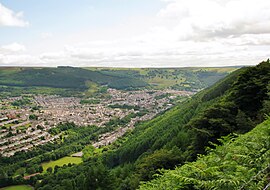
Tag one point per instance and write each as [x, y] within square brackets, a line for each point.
[240, 163]
[70, 81]
[176, 78]
[179, 135]
[209, 115]
[182, 133]
[64, 77]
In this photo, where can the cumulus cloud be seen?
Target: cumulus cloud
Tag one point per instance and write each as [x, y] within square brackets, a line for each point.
[215, 18]
[10, 18]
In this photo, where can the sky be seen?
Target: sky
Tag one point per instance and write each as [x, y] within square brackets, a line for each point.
[134, 33]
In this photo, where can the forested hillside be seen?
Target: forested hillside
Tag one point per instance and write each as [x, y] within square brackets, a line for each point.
[234, 105]
[64, 77]
[240, 163]
[207, 116]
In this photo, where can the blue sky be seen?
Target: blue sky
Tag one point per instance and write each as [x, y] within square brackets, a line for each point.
[69, 16]
[134, 33]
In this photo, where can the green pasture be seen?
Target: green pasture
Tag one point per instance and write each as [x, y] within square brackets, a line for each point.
[61, 162]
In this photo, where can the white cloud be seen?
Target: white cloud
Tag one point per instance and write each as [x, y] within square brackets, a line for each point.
[19, 60]
[215, 18]
[10, 18]
[184, 33]
[14, 47]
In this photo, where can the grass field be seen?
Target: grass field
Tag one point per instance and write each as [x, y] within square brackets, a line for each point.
[18, 187]
[61, 162]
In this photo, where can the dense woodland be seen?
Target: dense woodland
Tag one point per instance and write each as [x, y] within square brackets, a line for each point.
[241, 162]
[179, 137]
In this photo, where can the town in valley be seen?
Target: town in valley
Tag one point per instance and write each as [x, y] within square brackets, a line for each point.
[26, 121]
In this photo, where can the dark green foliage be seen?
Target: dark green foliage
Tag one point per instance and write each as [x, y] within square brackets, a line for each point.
[98, 176]
[90, 101]
[21, 102]
[49, 170]
[162, 96]
[62, 127]
[250, 90]
[33, 117]
[115, 122]
[129, 107]
[222, 86]
[241, 163]
[243, 121]
[148, 165]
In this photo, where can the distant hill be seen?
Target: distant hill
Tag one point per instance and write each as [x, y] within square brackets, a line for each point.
[65, 77]
[72, 81]
[190, 78]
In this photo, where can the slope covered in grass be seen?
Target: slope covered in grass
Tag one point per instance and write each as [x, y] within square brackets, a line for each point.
[61, 162]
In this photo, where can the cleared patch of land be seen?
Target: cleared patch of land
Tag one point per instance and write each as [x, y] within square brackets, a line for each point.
[18, 187]
[61, 162]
